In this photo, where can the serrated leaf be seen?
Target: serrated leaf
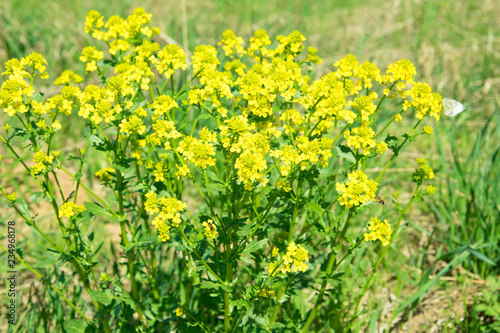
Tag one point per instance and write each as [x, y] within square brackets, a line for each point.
[146, 240]
[276, 325]
[255, 245]
[101, 297]
[96, 209]
[37, 196]
[345, 152]
[314, 207]
[94, 139]
[217, 187]
[325, 173]
[75, 325]
[46, 262]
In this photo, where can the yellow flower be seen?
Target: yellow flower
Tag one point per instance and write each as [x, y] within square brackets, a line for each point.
[430, 190]
[183, 171]
[425, 101]
[41, 124]
[381, 147]
[258, 44]
[296, 259]
[379, 230]
[231, 44]
[210, 229]
[312, 57]
[199, 152]
[56, 125]
[90, 56]
[168, 210]
[179, 312]
[428, 130]
[93, 22]
[266, 292]
[68, 77]
[361, 138]
[169, 59]
[402, 70]
[69, 209]
[104, 174]
[104, 277]
[347, 66]
[358, 190]
[424, 171]
[11, 197]
[398, 118]
[284, 185]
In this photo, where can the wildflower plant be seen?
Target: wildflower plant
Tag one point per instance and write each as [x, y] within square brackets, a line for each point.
[238, 182]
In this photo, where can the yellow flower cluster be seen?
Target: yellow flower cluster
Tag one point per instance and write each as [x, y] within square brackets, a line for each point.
[430, 190]
[105, 174]
[358, 190]
[272, 120]
[15, 88]
[379, 230]
[428, 130]
[266, 292]
[424, 171]
[70, 209]
[11, 197]
[210, 229]
[169, 213]
[296, 259]
[90, 56]
[424, 101]
[120, 33]
[179, 312]
[200, 152]
[232, 44]
[42, 161]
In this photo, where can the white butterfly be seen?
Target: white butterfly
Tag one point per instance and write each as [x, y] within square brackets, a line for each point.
[452, 107]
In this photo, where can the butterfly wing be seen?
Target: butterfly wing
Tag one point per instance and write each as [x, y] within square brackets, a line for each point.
[452, 107]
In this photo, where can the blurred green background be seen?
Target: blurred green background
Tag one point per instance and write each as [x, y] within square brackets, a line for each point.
[455, 46]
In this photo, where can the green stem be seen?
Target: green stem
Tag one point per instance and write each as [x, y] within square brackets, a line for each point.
[386, 249]
[281, 291]
[183, 235]
[52, 286]
[329, 267]
[130, 254]
[398, 150]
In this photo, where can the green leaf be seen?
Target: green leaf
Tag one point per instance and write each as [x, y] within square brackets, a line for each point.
[217, 187]
[75, 325]
[481, 256]
[95, 139]
[209, 285]
[345, 152]
[276, 326]
[101, 297]
[205, 116]
[146, 240]
[314, 207]
[96, 209]
[37, 196]
[46, 262]
[423, 289]
[255, 245]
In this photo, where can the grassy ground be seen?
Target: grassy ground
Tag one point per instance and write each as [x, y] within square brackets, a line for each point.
[455, 47]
